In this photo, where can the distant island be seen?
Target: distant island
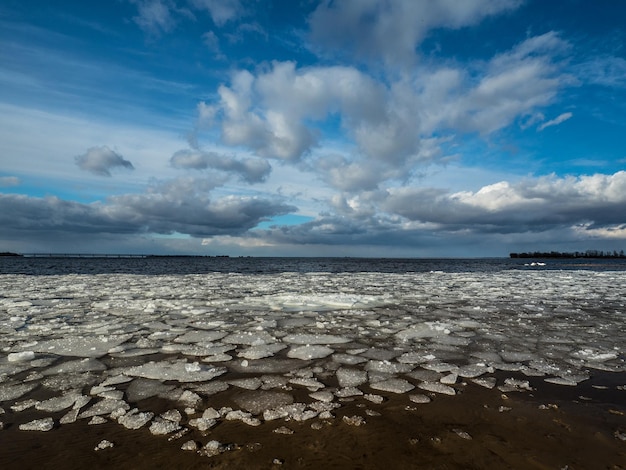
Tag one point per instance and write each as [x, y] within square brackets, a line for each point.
[7, 253]
[576, 254]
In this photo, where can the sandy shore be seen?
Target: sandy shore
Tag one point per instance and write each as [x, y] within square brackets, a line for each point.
[552, 427]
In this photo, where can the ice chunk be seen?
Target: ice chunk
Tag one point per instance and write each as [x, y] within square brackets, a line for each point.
[190, 446]
[140, 389]
[10, 391]
[323, 396]
[242, 416]
[315, 339]
[249, 338]
[348, 359]
[347, 392]
[378, 399]
[354, 420]
[419, 398]
[172, 415]
[256, 402]
[200, 336]
[252, 383]
[393, 385]
[81, 346]
[309, 352]
[202, 424]
[310, 383]
[97, 420]
[21, 356]
[487, 382]
[178, 371]
[561, 381]
[211, 388]
[58, 403]
[261, 351]
[350, 377]
[437, 388]
[104, 407]
[45, 424]
[212, 448]
[449, 379]
[473, 370]
[135, 419]
[103, 444]
[161, 426]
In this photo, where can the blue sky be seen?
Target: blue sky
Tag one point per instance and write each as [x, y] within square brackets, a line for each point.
[304, 128]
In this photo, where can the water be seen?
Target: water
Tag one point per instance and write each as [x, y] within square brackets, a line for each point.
[83, 338]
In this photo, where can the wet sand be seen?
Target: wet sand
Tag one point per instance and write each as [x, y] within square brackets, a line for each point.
[552, 427]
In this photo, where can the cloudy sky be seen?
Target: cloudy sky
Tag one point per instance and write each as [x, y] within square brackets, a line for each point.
[300, 128]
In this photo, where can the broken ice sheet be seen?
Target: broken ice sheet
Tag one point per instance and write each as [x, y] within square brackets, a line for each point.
[81, 346]
[180, 371]
[309, 352]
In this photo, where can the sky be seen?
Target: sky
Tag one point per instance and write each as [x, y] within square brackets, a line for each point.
[368, 128]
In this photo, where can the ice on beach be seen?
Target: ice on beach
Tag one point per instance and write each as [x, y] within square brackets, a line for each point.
[9, 391]
[45, 424]
[104, 407]
[256, 402]
[180, 371]
[135, 419]
[22, 356]
[161, 426]
[315, 339]
[351, 377]
[393, 385]
[81, 346]
[203, 424]
[437, 387]
[309, 352]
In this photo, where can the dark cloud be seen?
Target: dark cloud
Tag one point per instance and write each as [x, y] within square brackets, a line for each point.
[252, 170]
[182, 206]
[101, 160]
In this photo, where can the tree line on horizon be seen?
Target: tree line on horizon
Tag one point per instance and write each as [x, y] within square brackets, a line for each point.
[576, 254]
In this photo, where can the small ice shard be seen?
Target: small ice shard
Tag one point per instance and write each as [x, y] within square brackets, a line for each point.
[354, 420]
[561, 381]
[45, 424]
[190, 446]
[369, 412]
[487, 382]
[462, 434]
[378, 399]
[211, 413]
[22, 356]
[97, 420]
[324, 396]
[437, 388]
[189, 398]
[242, 416]
[161, 426]
[419, 398]
[514, 385]
[172, 415]
[135, 419]
[309, 352]
[202, 424]
[103, 444]
[449, 379]
[211, 449]
[283, 430]
[393, 385]
[350, 377]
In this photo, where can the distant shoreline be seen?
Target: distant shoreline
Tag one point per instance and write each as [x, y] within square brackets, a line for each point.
[591, 254]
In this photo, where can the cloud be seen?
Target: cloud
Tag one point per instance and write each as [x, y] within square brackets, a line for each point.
[155, 16]
[182, 205]
[8, 181]
[391, 30]
[556, 121]
[101, 160]
[221, 11]
[252, 170]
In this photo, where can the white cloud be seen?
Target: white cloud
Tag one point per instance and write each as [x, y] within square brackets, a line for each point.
[391, 30]
[101, 160]
[221, 11]
[556, 121]
[155, 16]
[252, 170]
